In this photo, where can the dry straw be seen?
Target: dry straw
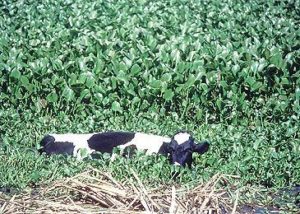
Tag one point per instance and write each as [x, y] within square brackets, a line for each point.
[97, 192]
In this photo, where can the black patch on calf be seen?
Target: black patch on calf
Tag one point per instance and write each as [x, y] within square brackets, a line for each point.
[49, 146]
[106, 142]
[182, 154]
[164, 149]
[47, 139]
[65, 148]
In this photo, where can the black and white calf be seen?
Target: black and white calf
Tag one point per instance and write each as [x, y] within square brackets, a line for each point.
[179, 148]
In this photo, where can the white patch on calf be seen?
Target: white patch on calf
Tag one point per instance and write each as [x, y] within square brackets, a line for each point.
[177, 164]
[80, 141]
[113, 157]
[150, 143]
[182, 137]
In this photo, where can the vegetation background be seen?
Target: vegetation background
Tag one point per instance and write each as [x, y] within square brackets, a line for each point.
[226, 70]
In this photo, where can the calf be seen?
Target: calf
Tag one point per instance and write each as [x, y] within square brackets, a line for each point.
[179, 148]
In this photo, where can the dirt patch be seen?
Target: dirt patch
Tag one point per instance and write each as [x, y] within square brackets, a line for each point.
[97, 192]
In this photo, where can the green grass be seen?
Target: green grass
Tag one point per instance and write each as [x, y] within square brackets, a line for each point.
[261, 155]
[227, 71]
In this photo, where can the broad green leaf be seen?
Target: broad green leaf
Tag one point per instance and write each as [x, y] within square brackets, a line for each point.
[167, 77]
[191, 80]
[155, 84]
[168, 94]
[24, 80]
[116, 106]
[15, 74]
[135, 69]
[52, 97]
[68, 93]
[276, 59]
[85, 94]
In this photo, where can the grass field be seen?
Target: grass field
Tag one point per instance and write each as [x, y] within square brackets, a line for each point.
[227, 71]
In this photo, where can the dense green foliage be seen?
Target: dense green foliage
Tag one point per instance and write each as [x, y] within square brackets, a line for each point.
[196, 59]
[228, 72]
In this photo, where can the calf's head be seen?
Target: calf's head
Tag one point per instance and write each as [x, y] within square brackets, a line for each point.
[181, 148]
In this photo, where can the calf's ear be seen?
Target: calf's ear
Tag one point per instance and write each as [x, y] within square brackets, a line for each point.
[201, 147]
